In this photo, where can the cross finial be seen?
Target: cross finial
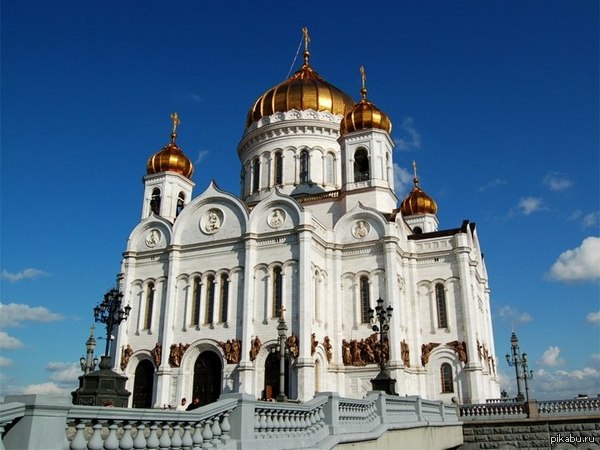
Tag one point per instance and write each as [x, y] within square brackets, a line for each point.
[176, 121]
[416, 178]
[306, 42]
[363, 76]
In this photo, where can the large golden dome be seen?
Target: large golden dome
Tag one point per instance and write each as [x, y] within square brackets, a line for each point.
[365, 115]
[304, 90]
[171, 158]
[417, 201]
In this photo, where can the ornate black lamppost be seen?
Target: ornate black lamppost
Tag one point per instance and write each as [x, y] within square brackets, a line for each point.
[519, 362]
[103, 387]
[110, 313]
[281, 333]
[380, 320]
[89, 363]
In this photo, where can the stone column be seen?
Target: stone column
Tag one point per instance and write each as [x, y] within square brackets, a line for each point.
[246, 367]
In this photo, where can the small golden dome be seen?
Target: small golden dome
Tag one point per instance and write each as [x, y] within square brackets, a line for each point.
[171, 158]
[365, 115]
[304, 90]
[417, 201]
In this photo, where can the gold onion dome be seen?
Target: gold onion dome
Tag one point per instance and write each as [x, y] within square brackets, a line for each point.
[365, 115]
[306, 89]
[171, 158]
[417, 201]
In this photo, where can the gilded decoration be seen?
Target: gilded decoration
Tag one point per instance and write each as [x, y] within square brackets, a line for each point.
[461, 349]
[292, 344]
[125, 355]
[176, 353]
[366, 351]
[233, 350]
[156, 354]
[426, 350]
[255, 348]
[152, 238]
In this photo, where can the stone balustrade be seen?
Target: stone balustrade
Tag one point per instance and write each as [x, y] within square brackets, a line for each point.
[531, 409]
[563, 407]
[235, 421]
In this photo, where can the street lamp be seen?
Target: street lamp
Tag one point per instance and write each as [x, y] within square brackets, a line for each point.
[109, 312]
[281, 333]
[519, 362]
[380, 320]
[88, 363]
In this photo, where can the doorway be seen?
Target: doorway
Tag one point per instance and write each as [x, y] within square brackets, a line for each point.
[143, 385]
[272, 377]
[207, 378]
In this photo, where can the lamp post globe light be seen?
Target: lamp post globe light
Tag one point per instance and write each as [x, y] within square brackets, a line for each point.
[519, 362]
[380, 320]
[110, 313]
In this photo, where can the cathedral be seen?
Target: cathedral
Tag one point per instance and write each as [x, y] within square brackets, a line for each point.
[315, 240]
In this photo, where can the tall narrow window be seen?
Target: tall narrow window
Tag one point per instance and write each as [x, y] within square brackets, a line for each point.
[278, 168]
[304, 166]
[277, 292]
[210, 299]
[196, 290]
[446, 378]
[329, 168]
[365, 302]
[149, 307]
[224, 298]
[155, 201]
[440, 301]
[255, 175]
[361, 165]
[180, 203]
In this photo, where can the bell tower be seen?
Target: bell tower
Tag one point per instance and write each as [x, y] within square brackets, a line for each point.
[167, 184]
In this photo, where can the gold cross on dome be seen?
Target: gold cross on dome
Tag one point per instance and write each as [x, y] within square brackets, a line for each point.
[306, 38]
[415, 168]
[176, 121]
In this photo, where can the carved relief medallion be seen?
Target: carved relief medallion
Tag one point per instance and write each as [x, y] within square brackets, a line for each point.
[152, 238]
[361, 229]
[276, 218]
[211, 221]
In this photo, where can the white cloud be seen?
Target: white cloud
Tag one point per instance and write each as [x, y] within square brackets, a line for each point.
[591, 220]
[44, 388]
[529, 205]
[411, 138]
[563, 384]
[550, 357]
[593, 318]
[8, 342]
[557, 181]
[23, 275]
[402, 181]
[492, 184]
[579, 264]
[201, 155]
[5, 362]
[64, 374]
[14, 314]
[510, 314]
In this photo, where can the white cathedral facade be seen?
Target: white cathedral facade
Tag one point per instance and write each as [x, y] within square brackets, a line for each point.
[318, 233]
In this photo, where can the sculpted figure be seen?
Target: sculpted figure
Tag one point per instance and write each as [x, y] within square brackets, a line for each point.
[356, 350]
[313, 343]
[426, 350]
[405, 353]
[125, 355]
[156, 354]
[255, 348]
[346, 354]
[292, 343]
[328, 348]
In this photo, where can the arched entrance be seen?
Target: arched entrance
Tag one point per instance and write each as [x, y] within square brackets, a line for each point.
[207, 378]
[272, 377]
[143, 384]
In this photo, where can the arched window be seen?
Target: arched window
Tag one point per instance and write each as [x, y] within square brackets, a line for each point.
[278, 169]
[255, 175]
[304, 166]
[440, 302]
[155, 201]
[329, 168]
[224, 298]
[210, 299]
[196, 290]
[446, 378]
[365, 301]
[277, 292]
[361, 165]
[180, 203]
[149, 306]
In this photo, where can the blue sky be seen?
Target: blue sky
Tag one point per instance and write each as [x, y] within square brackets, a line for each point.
[497, 101]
